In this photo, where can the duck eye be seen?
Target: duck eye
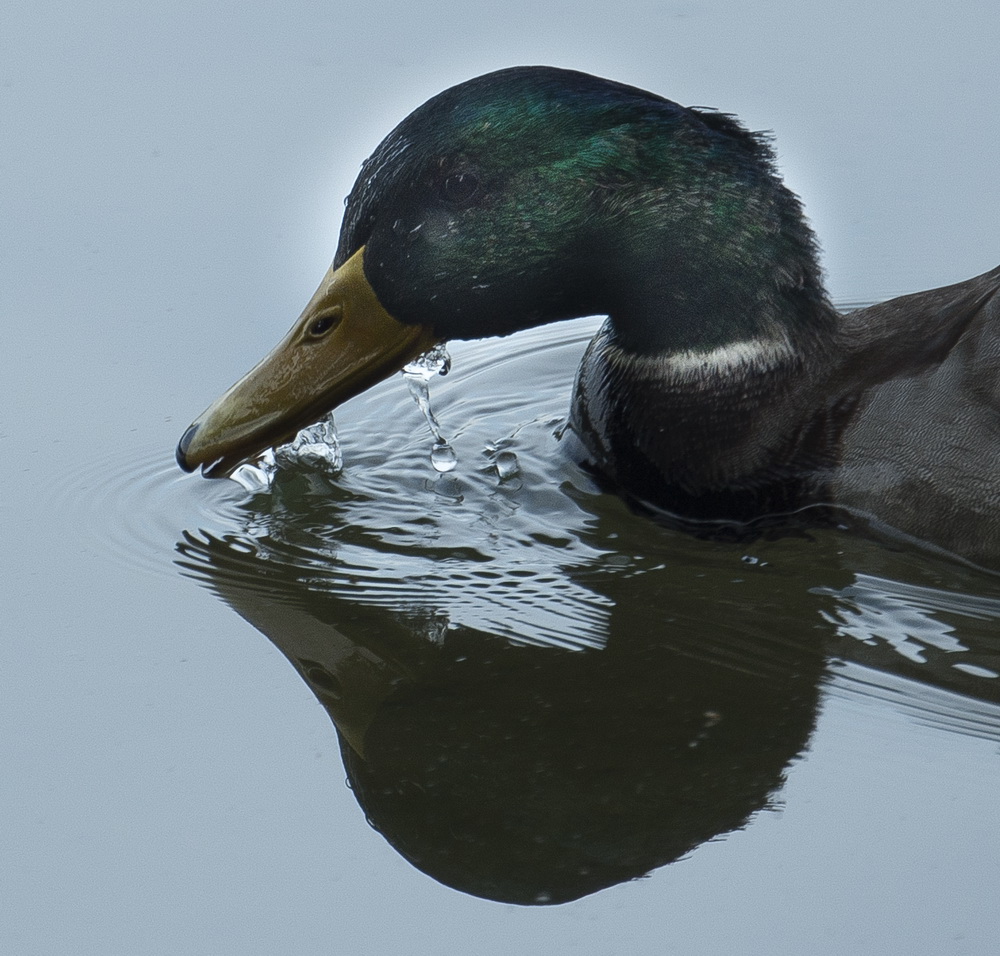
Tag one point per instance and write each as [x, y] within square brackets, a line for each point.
[321, 325]
[459, 188]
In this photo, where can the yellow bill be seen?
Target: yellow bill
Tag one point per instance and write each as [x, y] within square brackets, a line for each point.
[342, 344]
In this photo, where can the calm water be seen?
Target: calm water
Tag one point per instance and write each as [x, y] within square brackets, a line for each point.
[348, 716]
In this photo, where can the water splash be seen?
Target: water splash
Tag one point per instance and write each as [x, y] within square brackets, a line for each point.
[417, 375]
[507, 465]
[315, 448]
[504, 461]
[257, 475]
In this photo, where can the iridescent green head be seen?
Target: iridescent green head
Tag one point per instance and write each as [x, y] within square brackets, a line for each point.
[535, 194]
[523, 197]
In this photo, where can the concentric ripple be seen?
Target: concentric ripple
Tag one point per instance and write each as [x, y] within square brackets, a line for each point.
[517, 542]
[133, 508]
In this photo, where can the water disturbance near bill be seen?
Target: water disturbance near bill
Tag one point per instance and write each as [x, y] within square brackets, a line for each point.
[315, 448]
[512, 538]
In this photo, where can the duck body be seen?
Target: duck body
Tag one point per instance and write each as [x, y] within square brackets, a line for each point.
[922, 450]
[723, 387]
[895, 416]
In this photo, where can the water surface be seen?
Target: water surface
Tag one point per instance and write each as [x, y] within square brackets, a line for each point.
[540, 695]
[797, 738]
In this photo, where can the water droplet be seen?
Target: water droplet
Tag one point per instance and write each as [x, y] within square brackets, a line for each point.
[417, 375]
[507, 465]
[435, 361]
[443, 457]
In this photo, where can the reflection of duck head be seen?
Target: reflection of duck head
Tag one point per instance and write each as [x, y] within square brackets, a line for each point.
[723, 386]
[536, 774]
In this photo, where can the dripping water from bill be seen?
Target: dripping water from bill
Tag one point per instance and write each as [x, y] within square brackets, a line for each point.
[317, 447]
[417, 376]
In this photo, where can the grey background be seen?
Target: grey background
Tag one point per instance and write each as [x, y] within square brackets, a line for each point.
[171, 178]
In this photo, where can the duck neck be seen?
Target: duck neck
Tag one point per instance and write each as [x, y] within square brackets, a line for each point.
[707, 249]
[719, 428]
[700, 290]
[682, 314]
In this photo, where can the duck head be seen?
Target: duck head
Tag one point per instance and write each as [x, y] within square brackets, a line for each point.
[523, 197]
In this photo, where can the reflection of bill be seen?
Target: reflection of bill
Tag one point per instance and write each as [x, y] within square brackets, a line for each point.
[532, 773]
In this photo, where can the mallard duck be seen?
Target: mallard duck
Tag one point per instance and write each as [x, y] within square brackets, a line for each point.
[723, 387]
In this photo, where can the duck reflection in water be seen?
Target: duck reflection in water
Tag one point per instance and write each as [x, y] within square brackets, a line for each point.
[533, 774]
[626, 713]
[523, 771]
